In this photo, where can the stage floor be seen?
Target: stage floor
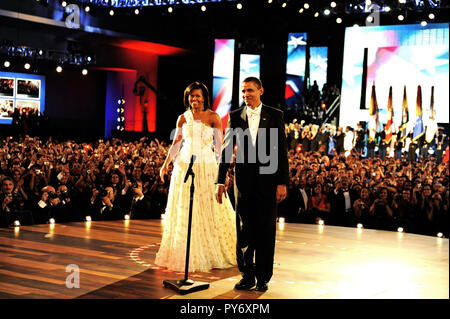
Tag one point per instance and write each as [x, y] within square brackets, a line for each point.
[114, 259]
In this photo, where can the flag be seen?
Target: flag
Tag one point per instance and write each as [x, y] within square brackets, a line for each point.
[389, 125]
[405, 116]
[418, 125]
[373, 115]
[431, 127]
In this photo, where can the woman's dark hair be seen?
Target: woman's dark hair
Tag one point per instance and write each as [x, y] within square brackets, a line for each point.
[195, 86]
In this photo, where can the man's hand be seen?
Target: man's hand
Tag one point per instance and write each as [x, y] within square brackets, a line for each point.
[220, 189]
[281, 193]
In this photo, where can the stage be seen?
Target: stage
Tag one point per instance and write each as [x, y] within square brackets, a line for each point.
[114, 259]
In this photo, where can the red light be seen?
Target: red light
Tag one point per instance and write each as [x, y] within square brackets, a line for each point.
[299, 148]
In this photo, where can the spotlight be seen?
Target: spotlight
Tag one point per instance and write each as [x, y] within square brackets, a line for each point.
[306, 5]
[16, 223]
[27, 66]
[41, 52]
[423, 23]
[356, 25]
[59, 69]
[89, 59]
[326, 12]
[84, 72]
[431, 16]
[369, 19]
[359, 226]
[387, 9]
[440, 235]
[284, 5]
[64, 4]
[321, 222]
[87, 9]
[269, 1]
[239, 6]
[111, 12]
[170, 10]
[51, 220]
[136, 11]
[400, 229]
[333, 4]
[6, 64]
[400, 17]
[301, 10]
[316, 14]
[88, 218]
[118, 127]
[127, 217]
[281, 220]
[402, 1]
[338, 20]
[203, 8]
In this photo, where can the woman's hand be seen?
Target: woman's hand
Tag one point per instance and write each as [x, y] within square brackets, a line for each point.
[163, 171]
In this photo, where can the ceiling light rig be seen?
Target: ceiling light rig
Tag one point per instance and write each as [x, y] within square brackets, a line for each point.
[31, 57]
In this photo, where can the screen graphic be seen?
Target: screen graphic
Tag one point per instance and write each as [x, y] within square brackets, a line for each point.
[318, 65]
[24, 92]
[295, 70]
[397, 56]
[249, 66]
[223, 77]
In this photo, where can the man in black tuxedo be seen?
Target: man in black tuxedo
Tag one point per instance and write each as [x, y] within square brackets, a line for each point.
[259, 181]
[342, 199]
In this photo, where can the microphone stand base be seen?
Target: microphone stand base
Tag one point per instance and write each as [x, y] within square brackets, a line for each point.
[185, 286]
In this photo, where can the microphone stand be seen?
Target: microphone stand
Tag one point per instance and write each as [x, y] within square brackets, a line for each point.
[187, 285]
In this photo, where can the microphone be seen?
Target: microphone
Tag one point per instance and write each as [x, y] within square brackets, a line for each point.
[189, 170]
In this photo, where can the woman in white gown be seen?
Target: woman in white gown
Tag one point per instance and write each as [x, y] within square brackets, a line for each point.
[213, 229]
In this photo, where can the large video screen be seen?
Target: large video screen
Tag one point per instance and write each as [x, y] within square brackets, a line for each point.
[397, 56]
[249, 66]
[24, 92]
[295, 70]
[318, 65]
[223, 67]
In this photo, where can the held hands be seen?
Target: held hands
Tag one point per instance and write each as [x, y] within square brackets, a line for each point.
[163, 171]
[281, 193]
[220, 189]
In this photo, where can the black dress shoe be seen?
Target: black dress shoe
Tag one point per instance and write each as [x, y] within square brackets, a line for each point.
[261, 286]
[244, 284]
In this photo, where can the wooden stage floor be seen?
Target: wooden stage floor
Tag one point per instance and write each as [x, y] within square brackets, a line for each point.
[115, 260]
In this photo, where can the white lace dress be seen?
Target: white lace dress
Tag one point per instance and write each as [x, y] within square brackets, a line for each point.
[213, 230]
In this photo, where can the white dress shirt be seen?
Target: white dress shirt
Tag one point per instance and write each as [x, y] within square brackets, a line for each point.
[253, 116]
[348, 203]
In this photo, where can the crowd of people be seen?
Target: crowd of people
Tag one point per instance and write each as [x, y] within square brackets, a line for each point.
[335, 178]
[67, 181]
[315, 102]
[331, 180]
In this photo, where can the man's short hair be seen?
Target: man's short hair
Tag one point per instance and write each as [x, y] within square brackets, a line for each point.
[255, 80]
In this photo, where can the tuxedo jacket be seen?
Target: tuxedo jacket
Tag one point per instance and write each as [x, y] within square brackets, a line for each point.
[262, 166]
